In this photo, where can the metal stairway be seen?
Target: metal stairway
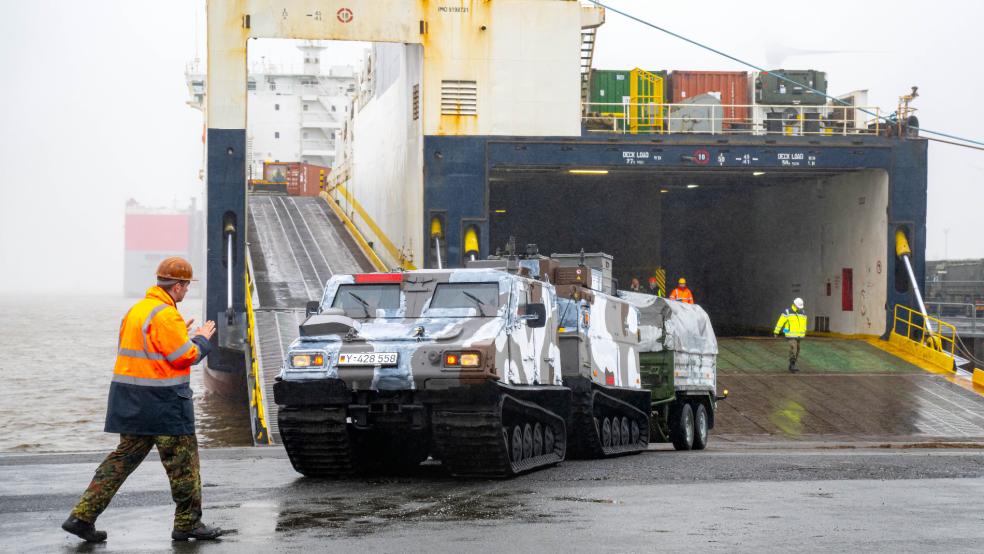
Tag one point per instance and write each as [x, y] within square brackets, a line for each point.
[588, 36]
[295, 245]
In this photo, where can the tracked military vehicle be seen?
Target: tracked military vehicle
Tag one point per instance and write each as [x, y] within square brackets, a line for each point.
[462, 364]
[505, 366]
[598, 335]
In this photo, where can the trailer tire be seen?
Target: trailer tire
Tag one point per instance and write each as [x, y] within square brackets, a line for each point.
[682, 428]
[700, 426]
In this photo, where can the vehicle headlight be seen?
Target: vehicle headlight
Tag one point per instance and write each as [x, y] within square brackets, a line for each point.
[310, 359]
[462, 359]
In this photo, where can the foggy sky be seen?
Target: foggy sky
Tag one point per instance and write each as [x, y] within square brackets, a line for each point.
[93, 107]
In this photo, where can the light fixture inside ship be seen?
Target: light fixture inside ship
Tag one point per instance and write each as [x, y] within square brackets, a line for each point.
[758, 173]
[588, 171]
[664, 191]
[692, 186]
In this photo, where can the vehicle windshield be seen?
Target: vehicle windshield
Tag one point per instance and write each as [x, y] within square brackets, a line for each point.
[367, 298]
[484, 297]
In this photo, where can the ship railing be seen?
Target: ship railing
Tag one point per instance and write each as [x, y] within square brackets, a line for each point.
[963, 314]
[258, 423]
[318, 117]
[929, 331]
[731, 119]
[315, 144]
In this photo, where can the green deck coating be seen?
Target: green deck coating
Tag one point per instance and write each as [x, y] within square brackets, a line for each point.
[740, 355]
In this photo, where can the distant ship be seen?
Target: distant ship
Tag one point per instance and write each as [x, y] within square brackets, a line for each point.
[154, 233]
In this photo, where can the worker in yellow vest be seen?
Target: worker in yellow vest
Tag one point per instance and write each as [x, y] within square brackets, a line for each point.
[792, 323]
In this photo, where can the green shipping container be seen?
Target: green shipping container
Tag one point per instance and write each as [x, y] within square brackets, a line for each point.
[611, 86]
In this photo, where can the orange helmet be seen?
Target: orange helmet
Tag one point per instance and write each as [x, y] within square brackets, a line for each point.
[175, 268]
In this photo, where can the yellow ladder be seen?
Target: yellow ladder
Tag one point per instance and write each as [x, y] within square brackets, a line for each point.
[647, 110]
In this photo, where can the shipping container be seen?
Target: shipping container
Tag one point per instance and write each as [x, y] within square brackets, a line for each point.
[312, 178]
[611, 86]
[770, 89]
[732, 86]
[301, 179]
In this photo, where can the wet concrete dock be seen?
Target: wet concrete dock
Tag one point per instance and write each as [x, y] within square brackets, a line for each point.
[733, 497]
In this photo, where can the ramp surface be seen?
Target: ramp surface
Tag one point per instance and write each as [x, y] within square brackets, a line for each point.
[817, 354]
[846, 390]
[295, 245]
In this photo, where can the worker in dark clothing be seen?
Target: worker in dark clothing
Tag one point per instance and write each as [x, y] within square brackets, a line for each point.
[654, 288]
[150, 404]
[792, 323]
[635, 286]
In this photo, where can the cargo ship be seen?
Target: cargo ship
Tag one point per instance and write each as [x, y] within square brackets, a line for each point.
[154, 233]
[474, 124]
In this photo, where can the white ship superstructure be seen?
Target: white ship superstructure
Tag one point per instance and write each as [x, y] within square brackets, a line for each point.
[295, 111]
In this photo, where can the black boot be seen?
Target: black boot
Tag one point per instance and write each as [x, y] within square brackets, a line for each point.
[792, 367]
[83, 529]
[201, 532]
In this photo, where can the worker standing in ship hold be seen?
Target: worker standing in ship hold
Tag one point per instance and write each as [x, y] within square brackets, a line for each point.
[150, 405]
[682, 293]
[792, 323]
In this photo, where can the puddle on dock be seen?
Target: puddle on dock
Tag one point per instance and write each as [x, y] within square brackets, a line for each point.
[355, 516]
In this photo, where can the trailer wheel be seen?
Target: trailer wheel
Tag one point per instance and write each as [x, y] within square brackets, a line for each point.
[682, 429]
[700, 426]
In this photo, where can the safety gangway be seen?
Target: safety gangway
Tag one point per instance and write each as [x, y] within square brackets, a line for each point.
[295, 244]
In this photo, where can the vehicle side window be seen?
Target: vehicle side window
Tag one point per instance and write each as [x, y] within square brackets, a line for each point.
[466, 295]
[351, 297]
[523, 295]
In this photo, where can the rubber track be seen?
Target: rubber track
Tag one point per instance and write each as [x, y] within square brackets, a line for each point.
[586, 441]
[316, 440]
[473, 443]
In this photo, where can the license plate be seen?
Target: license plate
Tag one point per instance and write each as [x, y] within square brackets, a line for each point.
[368, 358]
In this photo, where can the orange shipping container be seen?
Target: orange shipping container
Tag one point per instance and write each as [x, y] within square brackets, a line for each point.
[732, 85]
[301, 179]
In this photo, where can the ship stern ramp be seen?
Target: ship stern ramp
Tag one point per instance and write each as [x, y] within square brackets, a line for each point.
[295, 244]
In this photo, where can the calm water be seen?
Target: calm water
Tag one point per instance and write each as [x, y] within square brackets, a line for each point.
[56, 362]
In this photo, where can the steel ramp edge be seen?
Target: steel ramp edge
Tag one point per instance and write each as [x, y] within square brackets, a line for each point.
[972, 382]
[355, 234]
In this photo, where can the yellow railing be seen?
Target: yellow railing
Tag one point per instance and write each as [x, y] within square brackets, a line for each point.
[646, 102]
[645, 112]
[262, 433]
[911, 324]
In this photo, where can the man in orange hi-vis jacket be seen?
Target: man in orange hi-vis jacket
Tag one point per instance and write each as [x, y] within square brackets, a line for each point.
[150, 405]
[682, 293]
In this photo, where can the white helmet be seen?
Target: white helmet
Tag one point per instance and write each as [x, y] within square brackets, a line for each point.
[798, 303]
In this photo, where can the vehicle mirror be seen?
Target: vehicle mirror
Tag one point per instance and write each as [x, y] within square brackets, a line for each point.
[312, 308]
[536, 316]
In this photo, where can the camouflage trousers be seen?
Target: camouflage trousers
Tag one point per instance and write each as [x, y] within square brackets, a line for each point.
[179, 454]
[794, 350]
